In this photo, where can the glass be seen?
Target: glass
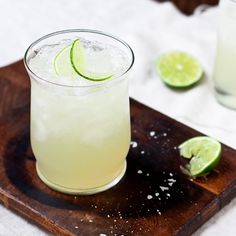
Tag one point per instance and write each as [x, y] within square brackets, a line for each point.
[225, 67]
[80, 135]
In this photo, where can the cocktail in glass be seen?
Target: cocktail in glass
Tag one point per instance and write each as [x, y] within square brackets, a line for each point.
[225, 68]
[80, 129]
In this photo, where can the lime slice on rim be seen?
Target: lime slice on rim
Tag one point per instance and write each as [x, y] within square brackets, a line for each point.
[179, 69]
[78, 61]
[204, 154]
[62, 64]
[72, 61]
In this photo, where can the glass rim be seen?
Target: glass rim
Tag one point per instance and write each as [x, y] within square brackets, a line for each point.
[102, 83]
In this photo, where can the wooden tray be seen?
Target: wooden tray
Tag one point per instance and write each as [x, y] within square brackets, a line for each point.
[154, 197]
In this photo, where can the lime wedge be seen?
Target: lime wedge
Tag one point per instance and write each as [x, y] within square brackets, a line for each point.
[204, 154]
[62, 64]
[80, 63]
[179, 69]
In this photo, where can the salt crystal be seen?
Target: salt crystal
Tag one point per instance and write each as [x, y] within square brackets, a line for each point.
[139, 172]
[76, 227]
[158, 212]
[164, 188]
[134, 144]
[152, 133]
[149, 197]
[157, 194]
[172, 180]
[142, 152]
[165, 134]
[90, 221]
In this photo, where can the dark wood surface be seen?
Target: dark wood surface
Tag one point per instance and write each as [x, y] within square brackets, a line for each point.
[179, 209]
[188, 6]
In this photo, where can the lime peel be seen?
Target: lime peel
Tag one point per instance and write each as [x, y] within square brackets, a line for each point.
[204, 154]
[77, 59]
[71, 62]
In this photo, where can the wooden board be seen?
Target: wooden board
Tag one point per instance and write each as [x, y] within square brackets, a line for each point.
[154, 197]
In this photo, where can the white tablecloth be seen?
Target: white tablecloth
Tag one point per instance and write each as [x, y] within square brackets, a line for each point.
[150, 28]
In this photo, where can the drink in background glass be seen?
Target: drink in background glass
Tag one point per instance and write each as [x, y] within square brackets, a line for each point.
[225, 63]
[80, 129]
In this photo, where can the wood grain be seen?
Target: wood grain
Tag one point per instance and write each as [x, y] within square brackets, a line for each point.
[158, 201]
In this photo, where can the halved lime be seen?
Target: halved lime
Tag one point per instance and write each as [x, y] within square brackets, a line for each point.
[204, 152]
[62, 64]
[179, 69]
[81, 66]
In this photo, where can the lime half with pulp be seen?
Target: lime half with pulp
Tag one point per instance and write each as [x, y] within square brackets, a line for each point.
[204, 154]
[179, 69]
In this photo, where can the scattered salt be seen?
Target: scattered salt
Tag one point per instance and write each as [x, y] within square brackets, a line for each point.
[142, 152]
[157, 194]
[134, 144]
[172, 180]
[147, 174]
[139, 172]
[158, 212]
[152, 133]
[149, 197]
[163, 188]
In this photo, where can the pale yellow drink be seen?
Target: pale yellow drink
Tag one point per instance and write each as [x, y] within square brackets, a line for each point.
[225, 68]
[80, 133]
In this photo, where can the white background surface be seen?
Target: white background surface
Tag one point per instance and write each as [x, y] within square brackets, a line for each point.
[150, 28]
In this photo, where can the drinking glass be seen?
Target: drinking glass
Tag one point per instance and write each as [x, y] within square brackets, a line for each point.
[225, 67]
[80, 135]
